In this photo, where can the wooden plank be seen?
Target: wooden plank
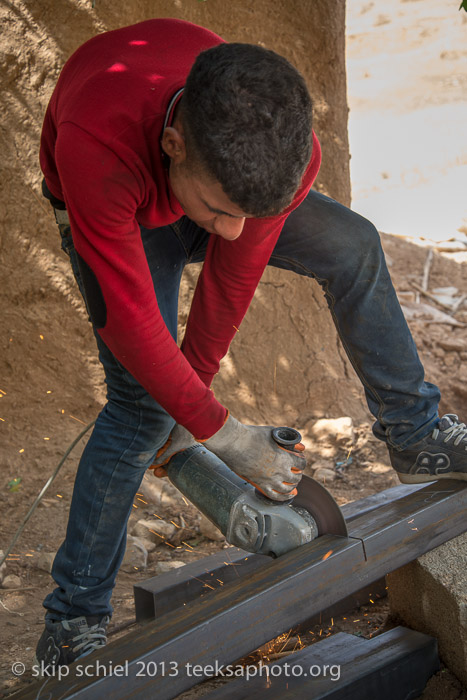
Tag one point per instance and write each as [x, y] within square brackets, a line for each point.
[394, 665]
[241, 616]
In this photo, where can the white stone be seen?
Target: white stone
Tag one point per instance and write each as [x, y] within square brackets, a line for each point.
[334, 430]
[209, 530]
[136, 555]
[12, 581]
[45, 561]
[156, 530]
[324, 475]
[162, 567]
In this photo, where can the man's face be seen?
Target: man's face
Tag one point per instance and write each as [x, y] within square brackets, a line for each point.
[205, 202]
[202, 199]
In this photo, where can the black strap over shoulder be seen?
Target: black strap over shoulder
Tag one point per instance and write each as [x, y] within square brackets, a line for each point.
[56, 203]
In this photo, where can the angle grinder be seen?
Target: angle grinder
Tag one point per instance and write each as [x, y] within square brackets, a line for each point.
[246, 517]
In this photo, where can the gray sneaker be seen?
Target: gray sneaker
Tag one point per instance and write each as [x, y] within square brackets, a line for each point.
[65, 641]
[440, 455]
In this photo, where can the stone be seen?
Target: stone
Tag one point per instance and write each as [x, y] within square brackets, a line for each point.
[12, 581]
[162, 567]
[430, 595]
[156, 530]
[334, 430]
[2, 567]
[136, 555]
[452, 344]
[324, 475]
[209, 530]
[45, 561]
[148, 544]
[159, 492]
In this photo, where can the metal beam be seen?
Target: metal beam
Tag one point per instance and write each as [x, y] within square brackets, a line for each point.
[394, 665]
[232, 621]
[162, 594]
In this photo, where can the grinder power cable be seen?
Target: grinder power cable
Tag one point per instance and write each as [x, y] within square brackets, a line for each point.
[246, 517]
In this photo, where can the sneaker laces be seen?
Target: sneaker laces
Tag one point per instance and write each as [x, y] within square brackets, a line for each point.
[449, 426]
[89, 640]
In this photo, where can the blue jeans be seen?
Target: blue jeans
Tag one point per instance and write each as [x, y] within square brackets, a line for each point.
[321, 239]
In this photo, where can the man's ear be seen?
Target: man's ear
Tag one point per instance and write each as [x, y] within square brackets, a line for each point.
[173, 144]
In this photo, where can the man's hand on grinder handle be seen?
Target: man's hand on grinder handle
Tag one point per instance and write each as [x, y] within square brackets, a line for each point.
[248, 450]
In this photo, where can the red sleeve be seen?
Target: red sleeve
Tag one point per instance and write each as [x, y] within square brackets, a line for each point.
[102, 196]
[228, 280]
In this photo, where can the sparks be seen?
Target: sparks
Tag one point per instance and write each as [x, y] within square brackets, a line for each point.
[2, 392]
[78, 419]
[142, 501]
[58, 495]
[327, 555]
[21, 450]
[237, 329]
[41, 337]
[46, 438]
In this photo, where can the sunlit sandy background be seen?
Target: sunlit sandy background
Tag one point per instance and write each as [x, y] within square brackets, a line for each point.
[407, 86]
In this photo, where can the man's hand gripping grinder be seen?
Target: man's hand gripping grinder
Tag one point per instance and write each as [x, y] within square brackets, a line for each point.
[247, 518]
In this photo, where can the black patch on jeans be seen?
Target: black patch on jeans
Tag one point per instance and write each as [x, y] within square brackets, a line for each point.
[93, 292]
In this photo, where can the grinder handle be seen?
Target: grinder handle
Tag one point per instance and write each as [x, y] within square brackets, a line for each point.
[287, 438]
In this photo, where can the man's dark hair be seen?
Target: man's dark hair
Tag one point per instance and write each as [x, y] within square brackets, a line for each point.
[247, 118]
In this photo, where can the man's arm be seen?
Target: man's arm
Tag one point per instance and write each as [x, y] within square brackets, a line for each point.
[102, 196]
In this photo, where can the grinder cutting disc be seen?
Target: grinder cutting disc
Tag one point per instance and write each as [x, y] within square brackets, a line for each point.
[322, 507]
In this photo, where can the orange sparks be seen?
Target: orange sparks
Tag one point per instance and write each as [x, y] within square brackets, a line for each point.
[356, 620]
[157, 516]
[46, 438]
[175, 524]
[134, 506]
[48, 392]
[372, 601]
[78, 419]
[156, 533]
[21, 450]
[58, 495]
[169, 545]
[142, 501]
[2, 392]
[41, 337]
[189, 545]
[327, 555]
[237, 329]
[3, 420]
[185, 501]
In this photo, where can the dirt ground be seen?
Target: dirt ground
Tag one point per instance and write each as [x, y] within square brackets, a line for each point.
[51, 388]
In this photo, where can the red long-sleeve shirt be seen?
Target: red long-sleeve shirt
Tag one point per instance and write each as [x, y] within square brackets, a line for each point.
[101, 155]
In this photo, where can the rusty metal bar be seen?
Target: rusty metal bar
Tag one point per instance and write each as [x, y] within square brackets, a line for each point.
[226, 625]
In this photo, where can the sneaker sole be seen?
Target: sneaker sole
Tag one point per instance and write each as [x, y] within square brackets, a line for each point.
[426, 478]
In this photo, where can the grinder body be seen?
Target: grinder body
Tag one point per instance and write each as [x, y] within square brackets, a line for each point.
[246, 518]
